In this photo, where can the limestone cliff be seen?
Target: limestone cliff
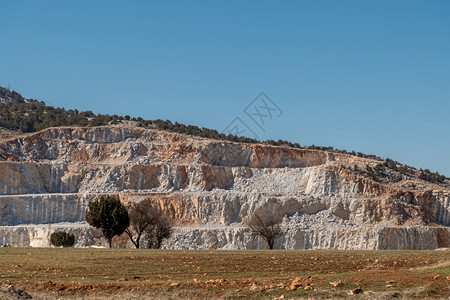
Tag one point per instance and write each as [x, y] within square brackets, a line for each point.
[209, 187]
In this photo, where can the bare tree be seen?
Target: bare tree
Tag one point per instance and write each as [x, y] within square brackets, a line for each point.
[142, 216]
[160, 229]
[265, 225]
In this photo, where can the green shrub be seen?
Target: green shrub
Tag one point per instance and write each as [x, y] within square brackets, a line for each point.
[62, 238]
[431, 177]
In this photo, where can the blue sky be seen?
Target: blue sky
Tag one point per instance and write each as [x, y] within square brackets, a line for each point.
[369, 76]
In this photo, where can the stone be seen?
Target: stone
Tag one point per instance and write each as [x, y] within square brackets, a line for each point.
[356, 291]
[209, 187]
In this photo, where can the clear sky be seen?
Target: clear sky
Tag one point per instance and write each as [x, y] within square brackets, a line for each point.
[369, 76]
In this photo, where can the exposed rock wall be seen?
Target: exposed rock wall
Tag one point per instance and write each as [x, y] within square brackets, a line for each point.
[38, 235]
[209, 187]
[325, 237]
[43, 209]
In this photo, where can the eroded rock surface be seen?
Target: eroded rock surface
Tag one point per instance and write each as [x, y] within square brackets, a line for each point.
[209, 187]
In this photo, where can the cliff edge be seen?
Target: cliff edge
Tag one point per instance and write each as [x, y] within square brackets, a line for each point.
[209, 187]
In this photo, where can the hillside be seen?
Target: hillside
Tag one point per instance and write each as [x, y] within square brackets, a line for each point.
[209, 186]
[19, 115]
[207, 182]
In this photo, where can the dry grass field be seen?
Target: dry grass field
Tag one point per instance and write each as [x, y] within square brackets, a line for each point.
[132, 274]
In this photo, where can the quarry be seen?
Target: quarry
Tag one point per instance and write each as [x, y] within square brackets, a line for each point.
[209, 187]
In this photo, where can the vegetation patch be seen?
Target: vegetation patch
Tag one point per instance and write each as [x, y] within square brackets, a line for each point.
[31, 115]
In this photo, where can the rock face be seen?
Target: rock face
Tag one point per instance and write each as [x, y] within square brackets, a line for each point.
[209, 187]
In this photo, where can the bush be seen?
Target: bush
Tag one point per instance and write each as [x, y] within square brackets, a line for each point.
[431, 177]
[390, 164]
[62, 238]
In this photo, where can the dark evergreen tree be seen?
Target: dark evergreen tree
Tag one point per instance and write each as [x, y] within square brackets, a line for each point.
[108, 214]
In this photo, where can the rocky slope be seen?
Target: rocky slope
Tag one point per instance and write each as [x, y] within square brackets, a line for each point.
[209, 187]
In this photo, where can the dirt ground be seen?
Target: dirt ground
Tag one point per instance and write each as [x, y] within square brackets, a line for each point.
[47, 273]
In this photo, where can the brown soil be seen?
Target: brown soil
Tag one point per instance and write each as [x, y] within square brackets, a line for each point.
[128, 273]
